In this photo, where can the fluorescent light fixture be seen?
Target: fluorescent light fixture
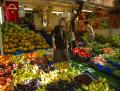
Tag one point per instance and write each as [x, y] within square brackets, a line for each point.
[57, 12]
[30, 9]
[1, 17]
[87, 11]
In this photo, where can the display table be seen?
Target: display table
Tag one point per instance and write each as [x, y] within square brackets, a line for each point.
[84, 67]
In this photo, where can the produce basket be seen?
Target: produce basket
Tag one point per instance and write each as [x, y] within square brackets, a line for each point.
[114, 64]
[88, 82]
[105, 69]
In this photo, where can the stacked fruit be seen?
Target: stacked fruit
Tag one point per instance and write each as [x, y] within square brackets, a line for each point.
[5, 59]
[17, 38]
[114, 56]
[62, 65]
[64, 85]
[60, 74]
[61, 85]
[82, 79]
[98, 85]
[107, 50]
[30, 85]
[27, 72]
[24, 75]
[99, 60]
[6, 67]
[19, 59]
[81, 52]
[38, 57]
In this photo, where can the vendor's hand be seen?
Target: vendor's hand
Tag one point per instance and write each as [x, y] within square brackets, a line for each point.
[54, 48]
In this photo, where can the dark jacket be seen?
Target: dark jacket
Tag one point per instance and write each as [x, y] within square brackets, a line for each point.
[60, 38]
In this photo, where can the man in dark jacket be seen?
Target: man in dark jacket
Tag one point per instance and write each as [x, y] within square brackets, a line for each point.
[60, 41]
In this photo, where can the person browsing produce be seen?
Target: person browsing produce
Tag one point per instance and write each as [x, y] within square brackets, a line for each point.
[60, 41]
[91, 34]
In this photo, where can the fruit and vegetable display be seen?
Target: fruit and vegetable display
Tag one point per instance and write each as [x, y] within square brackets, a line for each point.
[113, 40]
[20, 39]
[21, 74]
[31, 74]
[99, 60]
[37, 57]
[6, 77]
[82, 54]
[107, 50]
[104, 58]
[98, 85]
[32, 69]
[27, 72]
[16, 69]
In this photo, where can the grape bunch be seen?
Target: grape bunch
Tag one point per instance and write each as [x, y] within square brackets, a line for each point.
[61, 85]
[31, 85]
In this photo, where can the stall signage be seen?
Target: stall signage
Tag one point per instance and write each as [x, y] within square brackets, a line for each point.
[11, 11]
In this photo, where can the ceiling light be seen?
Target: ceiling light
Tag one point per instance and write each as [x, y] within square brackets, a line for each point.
[1, 16]
[30, 9]
[57, 12]
[87, 11]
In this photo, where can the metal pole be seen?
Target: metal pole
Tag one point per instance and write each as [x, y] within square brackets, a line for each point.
[1, 44]
[1, 22]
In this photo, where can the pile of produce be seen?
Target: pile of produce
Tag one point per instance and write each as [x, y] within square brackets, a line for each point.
[17, 69]
[31, 75]
[76, 85]
[114, 56]
[81, 53]
[6, 77]
[114, 41]
[30, 85]
[82, 79]
[16, 39]
[99, 60]
[27, 72]
[107, 50]
[97, 85]
[38, 57]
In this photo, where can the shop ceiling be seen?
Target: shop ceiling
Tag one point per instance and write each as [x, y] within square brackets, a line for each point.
[50, 4]
[62, 5]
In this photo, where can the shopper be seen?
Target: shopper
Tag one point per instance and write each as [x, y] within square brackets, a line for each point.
[71, 39]
[60, 41]
[91, 34]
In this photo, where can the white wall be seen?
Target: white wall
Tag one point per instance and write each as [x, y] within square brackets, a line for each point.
[105, 32]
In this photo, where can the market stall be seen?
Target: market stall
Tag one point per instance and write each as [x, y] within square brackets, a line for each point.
[28, 63]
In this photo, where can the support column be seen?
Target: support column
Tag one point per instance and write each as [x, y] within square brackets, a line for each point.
[1, 22]
[45, 20]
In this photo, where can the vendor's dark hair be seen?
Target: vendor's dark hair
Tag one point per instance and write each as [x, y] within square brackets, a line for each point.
[62, 19]
[86, 22]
